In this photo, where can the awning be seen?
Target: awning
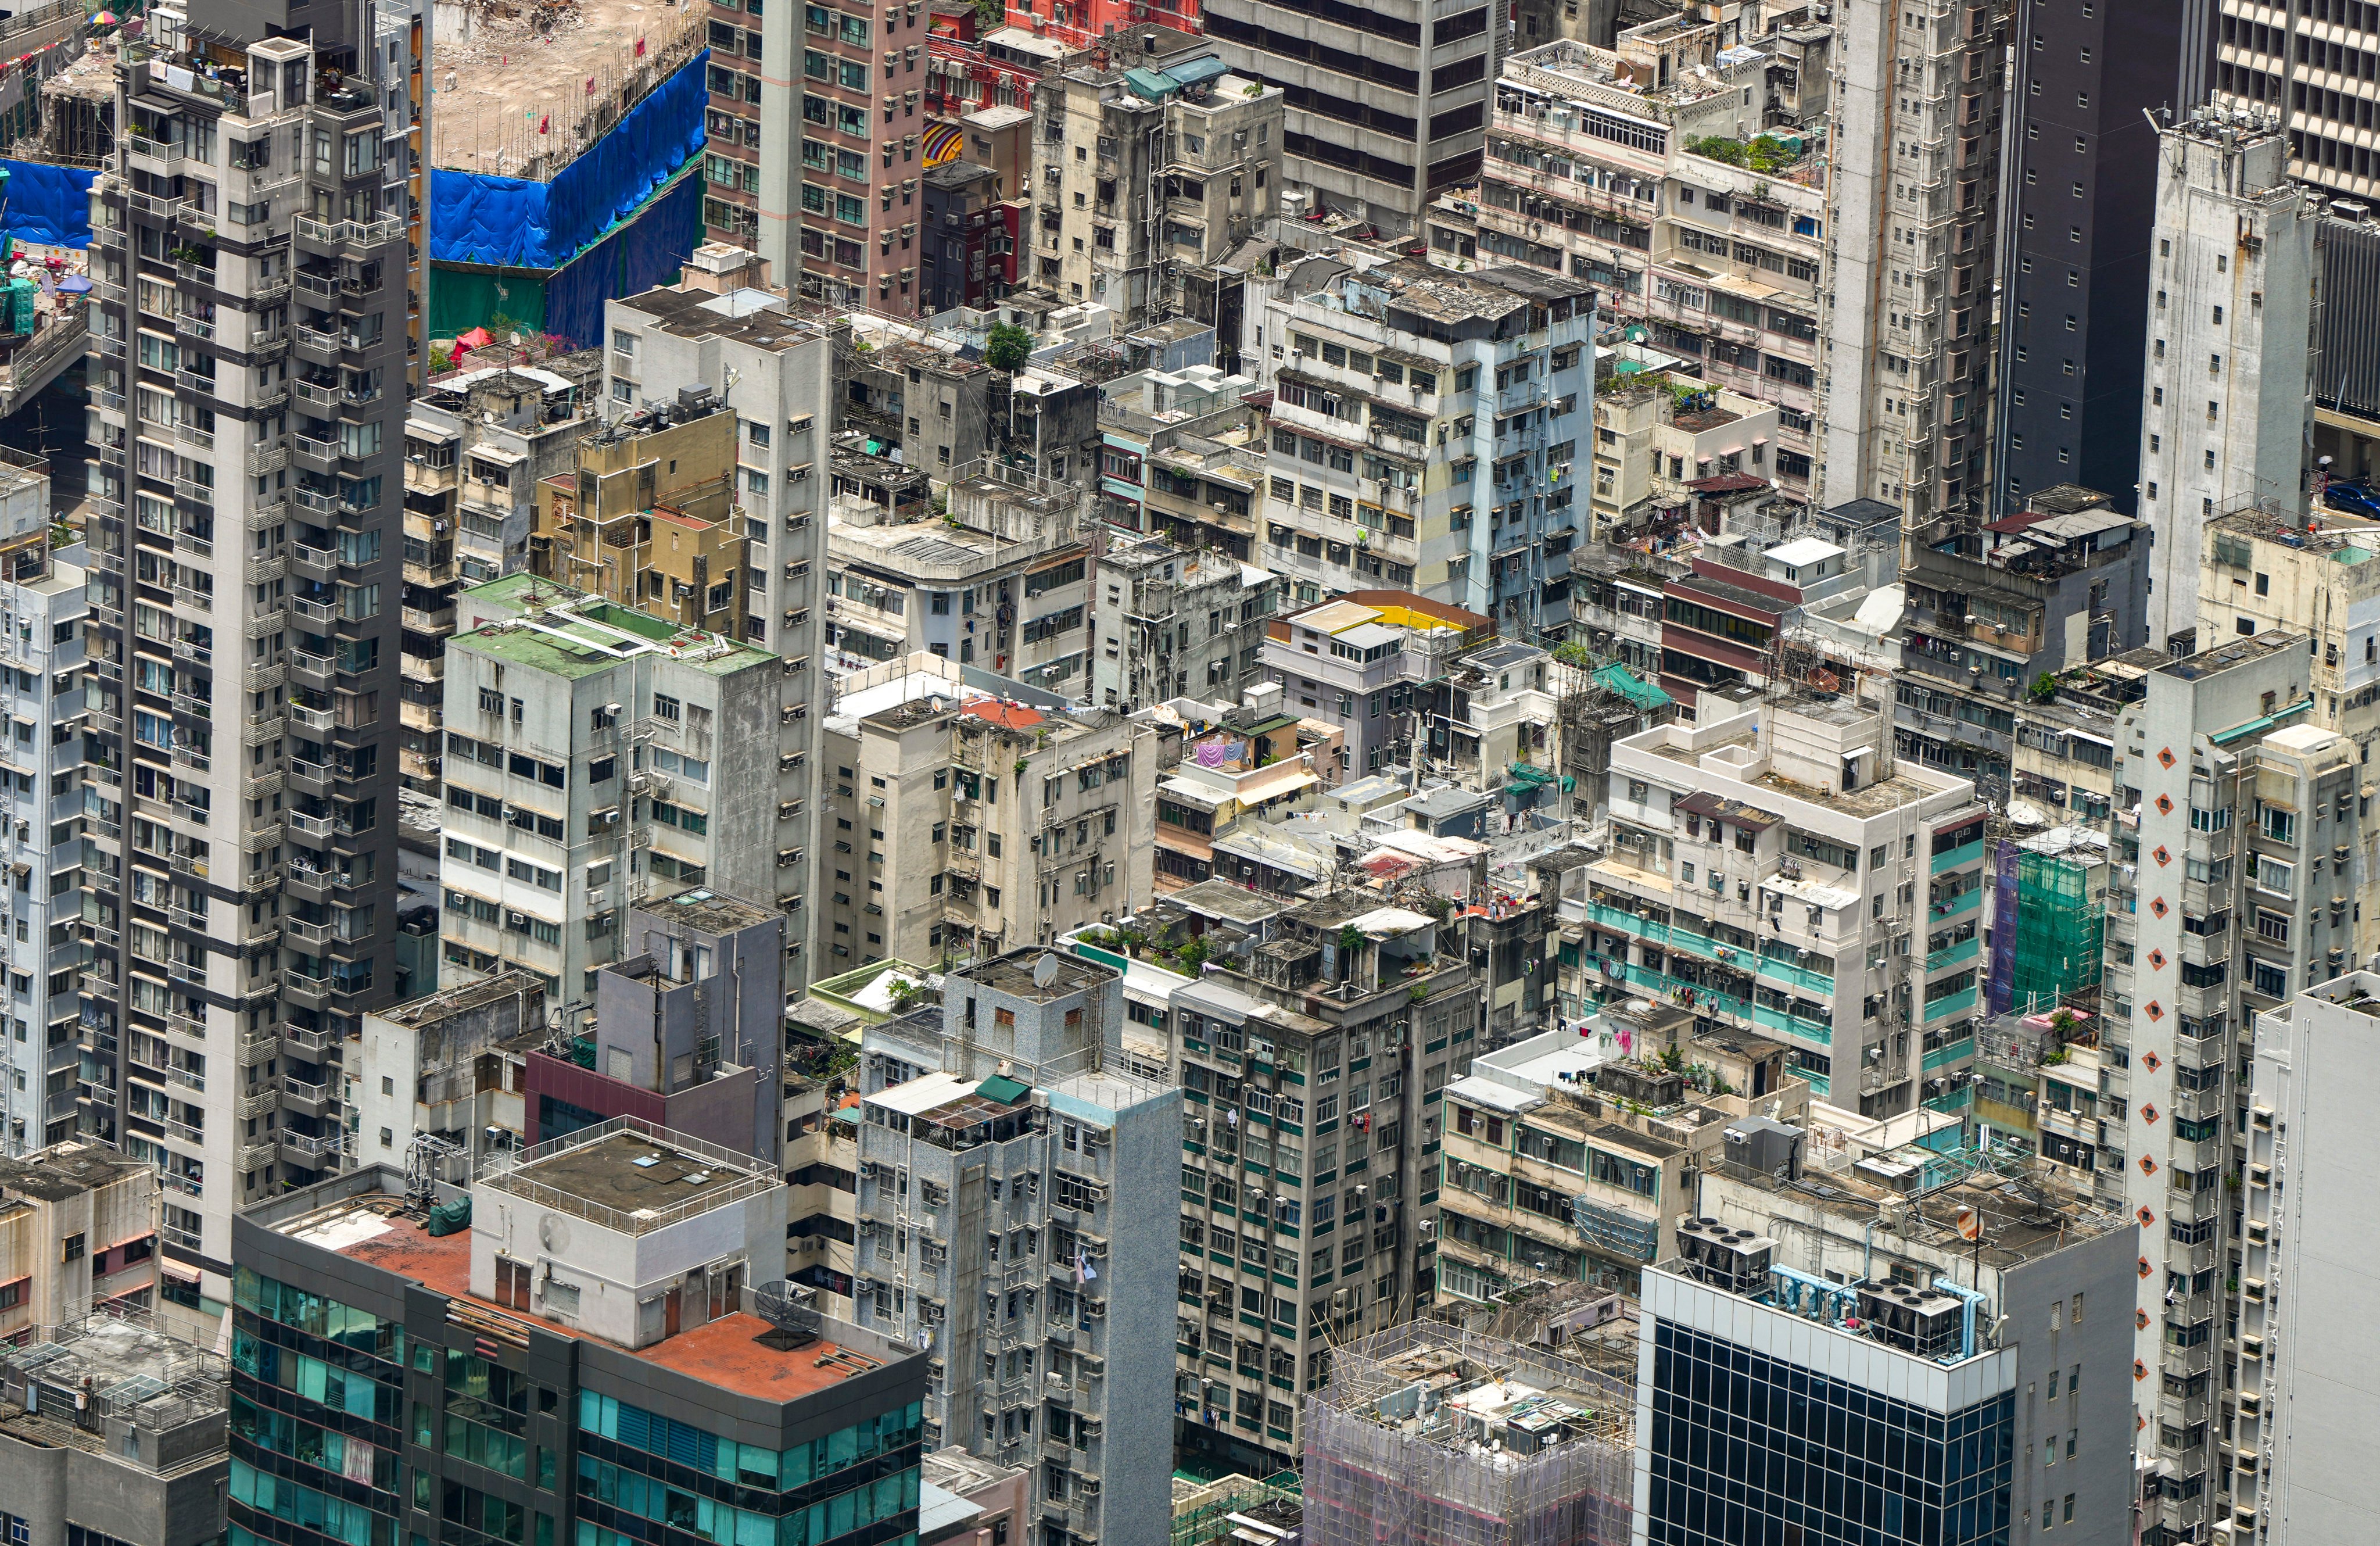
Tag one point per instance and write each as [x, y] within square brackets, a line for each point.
[1003, 1089]
[1627, 684]
[1720, 808]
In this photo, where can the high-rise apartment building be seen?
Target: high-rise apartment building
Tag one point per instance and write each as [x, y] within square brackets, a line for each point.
[2241, 886]
[732, 121]
[1177, 622]
[42, 651]
[2299, 1420]
[1311, 1048]
[1782, 871]
[112, 1428]
[1387, 108]
[1911, 216]
[1987, 1375]
[2225, 403]
[1142, 163]
[1567, 1153]
[1596, 167]
[78, 1236]
[250, 237]
[963, 823]
[597, 1337]
[595, 757]
[840, 156]
[777, 376]
[1015, 1166]
[2079, 193]
[2261, 571]
[689, 1031]
[479, 446]
[1422, 426]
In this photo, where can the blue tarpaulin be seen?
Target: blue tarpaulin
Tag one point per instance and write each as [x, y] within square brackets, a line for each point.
[47, 204]
[518, 224]
[648, 251]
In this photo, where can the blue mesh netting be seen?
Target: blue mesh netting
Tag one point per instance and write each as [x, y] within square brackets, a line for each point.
[479, 219]
[48, 204]
[647, 251]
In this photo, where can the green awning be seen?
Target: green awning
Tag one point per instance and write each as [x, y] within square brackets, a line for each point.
[1628, 685]
[1003, 1089]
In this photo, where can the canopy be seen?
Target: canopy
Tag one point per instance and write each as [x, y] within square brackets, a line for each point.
[1620, 679]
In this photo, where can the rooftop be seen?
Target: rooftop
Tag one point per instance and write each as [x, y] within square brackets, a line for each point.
[627, 1175]
[1037, 974]
[708, 912]
[739, 1353]
[65, 1171]
[2237, 652]
[433, 1007]
[755, 317]
[570, 633]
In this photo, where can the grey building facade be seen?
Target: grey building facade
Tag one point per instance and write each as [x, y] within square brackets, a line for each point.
[253, 348]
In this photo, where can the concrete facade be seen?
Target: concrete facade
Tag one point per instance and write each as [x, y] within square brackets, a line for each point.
[2231, 283]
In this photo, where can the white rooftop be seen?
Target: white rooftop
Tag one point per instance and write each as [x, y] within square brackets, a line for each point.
[1804, 550]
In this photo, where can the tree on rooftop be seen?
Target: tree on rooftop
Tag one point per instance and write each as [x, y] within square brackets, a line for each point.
[1007, 348]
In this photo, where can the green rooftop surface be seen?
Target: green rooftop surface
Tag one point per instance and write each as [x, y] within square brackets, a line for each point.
[580, 633]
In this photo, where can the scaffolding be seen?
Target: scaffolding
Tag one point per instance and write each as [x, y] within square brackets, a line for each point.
[2058, 929]
[1430, 1435]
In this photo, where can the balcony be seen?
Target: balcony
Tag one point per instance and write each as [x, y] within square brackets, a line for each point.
[305, 992]
[309, 670]
[313, 1100]
[310, 778]
[306, 931]
[317, 455]
[310, 1148]
[153, 156]
[314, 344]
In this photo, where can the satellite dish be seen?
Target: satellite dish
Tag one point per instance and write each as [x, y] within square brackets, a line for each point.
[554, 1234]
[1045, 970]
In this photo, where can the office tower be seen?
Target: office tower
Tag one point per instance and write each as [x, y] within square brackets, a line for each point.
[777, 377]
[1567, 1152]
[2243, 809]
[2062, 582]
[2261, 572]
[1440, 1437]
[479, 446]
[1782, 870]
[1990, 1377]
[598, 1338]
[2300, 1419]
[1422, 435]
[245, 595]
[1913, 217]
[1177, 622]
[689, 1031]
[2079, 197]
[963, 823]
[2231, 278]
[41, 686]
[1144, 163]
[1596, 168]
[111, 1429]
[840, 155]
[77, 1234]
[1016, 1171]
[447, 1066]
[1385, 115]
[595, 757]
[2312, 66]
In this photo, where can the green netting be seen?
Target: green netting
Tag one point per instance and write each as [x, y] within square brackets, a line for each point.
[463, 298]
[2058, 930]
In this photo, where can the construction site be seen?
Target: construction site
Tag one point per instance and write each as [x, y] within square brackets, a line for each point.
[565, 137]
[1429, 1435]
